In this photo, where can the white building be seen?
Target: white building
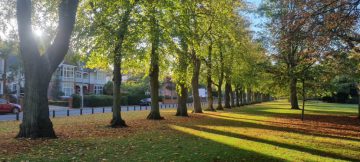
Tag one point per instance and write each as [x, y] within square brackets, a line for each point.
[70, 78]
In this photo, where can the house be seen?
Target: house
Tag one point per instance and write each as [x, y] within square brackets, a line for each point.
[168, 91]
[14, 78]
[2, 67]
[70, 79]
[168, 94]
[67, 79]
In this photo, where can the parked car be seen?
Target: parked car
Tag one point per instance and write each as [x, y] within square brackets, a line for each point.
[7, 107]
[145, 102]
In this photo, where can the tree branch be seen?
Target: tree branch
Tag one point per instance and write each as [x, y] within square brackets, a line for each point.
[28, 46]
[59, 48]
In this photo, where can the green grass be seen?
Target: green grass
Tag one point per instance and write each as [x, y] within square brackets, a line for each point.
[262, 132]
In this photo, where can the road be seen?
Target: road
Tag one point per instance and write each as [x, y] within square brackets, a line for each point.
[63, 111]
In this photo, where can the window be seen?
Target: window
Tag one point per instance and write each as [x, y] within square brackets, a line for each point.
[86, 75]
[68, 89]
[68, 72]
[100, 76]
[99, 89]
[14, 87]
[78, 75]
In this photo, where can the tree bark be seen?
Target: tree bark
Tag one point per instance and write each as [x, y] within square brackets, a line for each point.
[40, 67]
[117, 121]
[293, 94]
[219, 107]
[195, 82]
[36, 122]
[303, 100]
[182, 107]
[227, 94]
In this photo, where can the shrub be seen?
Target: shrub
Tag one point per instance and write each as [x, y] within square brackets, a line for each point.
[59, 103]
[134, 99]
[92, 101]
[76, 101]
[97, 100]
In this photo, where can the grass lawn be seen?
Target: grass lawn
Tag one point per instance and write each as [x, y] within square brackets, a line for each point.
[263, 132]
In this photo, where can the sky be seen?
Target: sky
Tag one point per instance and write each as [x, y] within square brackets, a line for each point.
[255, 19]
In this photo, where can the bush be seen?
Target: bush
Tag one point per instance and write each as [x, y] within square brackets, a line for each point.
[59, 103]
[76, 101]
[98, 100]
[92, 101]
[134, 99]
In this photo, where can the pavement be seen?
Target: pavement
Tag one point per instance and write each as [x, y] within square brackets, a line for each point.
[59, 111]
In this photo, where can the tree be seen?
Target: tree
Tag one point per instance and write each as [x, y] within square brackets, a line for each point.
[36, 122]
[296, 46]
[181, 72]
[209, 79]
[154, 61]
[177, 40]
[103, 29]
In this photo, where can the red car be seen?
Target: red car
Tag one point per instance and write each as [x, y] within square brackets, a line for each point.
[7, 107]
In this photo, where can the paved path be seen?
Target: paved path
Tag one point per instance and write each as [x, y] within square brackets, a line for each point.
[63, 111]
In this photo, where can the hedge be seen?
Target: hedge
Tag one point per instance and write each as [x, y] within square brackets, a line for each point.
[95, 101]
[59, 103]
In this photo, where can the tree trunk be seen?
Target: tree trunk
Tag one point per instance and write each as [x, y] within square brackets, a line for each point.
[304, 99]
[248, 96]
[219, 107]
[209, 81]
[210, 97]
[117, 121]
[237, 94]
[293, 94]
[154, 69]
[232, 97]
[36, 122]
[227, 94]
[40, 67]
[195, 82]
[242, 97]
[182, 108]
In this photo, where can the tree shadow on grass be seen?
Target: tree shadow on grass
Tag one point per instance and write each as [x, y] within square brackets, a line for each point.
[215, 150]
[344, 118]
[232, 121]
[283, 145]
